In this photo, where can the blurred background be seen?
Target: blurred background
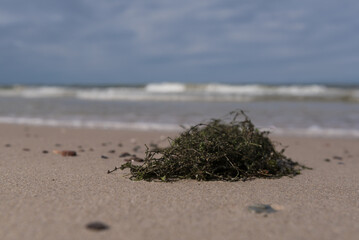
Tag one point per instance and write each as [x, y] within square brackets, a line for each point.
[291, 65]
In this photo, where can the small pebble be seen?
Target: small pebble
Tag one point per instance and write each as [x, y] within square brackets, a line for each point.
[119, 145]
[135, 149]
[153, 145]
[327, 160]
[261, 208]
[112, 151]
[97, 226]
[125, 154]
[104, 157]
[26, 149]
[45, 152]
[137, 159]
[65, 153]
[8, 145]
[91, 149]
[337, 158]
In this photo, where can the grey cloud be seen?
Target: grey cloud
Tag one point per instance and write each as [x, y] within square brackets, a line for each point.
[172, 40]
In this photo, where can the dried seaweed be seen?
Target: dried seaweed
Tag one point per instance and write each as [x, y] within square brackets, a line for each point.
[218, 150]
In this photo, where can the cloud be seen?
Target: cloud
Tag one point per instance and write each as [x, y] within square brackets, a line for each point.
[164, 40]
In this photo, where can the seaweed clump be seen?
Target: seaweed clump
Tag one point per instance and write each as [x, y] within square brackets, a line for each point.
[217, 150]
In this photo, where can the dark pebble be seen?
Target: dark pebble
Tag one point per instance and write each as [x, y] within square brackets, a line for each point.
[104, 144]
[261, 208]
[119, 145]
[112, 151]
[104, 157]
[97, 226]
[337, 158]
[137, 159]
[66, 153]
[45, 151]
[340, 163]
[154, 145]
[135, 149]
[26, 149]
[7, 145]
[125, 154]
[91, 149]
[327, 160]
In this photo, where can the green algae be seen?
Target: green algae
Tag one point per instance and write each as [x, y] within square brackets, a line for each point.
[217, 150]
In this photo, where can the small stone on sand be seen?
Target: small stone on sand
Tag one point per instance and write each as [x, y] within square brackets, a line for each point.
[65, 153]
[135, 149]
[97, 226]
[125, 154]
[261, 208]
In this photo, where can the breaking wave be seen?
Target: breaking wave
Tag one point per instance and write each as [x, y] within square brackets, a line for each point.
[146, 126]
[189, 92]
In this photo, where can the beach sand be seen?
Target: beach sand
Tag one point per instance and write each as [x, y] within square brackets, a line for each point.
[47, 196]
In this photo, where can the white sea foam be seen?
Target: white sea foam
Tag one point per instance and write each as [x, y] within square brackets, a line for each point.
[165, 87]
[36, 92]
[143, 126]
[140, 126]
[315, 131]
[188, 92]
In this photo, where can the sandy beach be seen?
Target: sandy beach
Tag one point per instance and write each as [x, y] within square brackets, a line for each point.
[47, 196]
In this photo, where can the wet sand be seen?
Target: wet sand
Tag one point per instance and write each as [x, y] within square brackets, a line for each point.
[47, 196]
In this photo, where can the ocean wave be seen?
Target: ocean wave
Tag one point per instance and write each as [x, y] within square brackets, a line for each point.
[190, 92]
[312, 131]
[139, 126]
[315, 131]
[166, 87]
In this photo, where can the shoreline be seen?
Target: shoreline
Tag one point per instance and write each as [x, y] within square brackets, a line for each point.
[47, 196]
[171, 129]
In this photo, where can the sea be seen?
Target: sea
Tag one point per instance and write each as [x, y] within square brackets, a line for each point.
[284, 109]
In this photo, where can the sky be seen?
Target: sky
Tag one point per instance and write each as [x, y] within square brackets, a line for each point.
[141, 41]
